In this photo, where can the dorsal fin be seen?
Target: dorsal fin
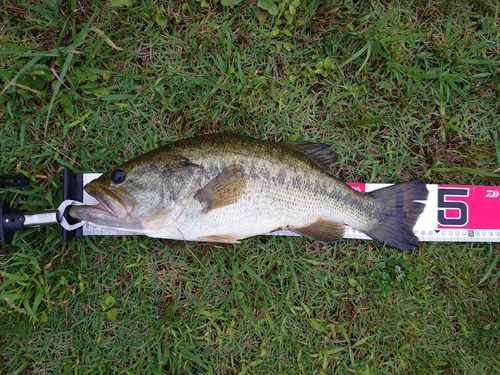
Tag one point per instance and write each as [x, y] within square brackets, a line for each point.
[319, 153]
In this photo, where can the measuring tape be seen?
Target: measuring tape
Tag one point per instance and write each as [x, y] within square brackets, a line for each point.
[453, 213]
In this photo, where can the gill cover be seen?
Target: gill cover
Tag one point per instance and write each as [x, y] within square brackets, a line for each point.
[143, 194]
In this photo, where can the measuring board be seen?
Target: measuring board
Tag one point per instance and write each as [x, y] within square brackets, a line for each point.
[453, 213]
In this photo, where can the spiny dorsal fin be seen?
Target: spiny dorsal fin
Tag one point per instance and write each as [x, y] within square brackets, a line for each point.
[320, 153]
[321, 230]
[223, 190]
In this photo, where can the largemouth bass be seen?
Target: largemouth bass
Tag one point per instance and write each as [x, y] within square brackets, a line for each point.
[226, 187]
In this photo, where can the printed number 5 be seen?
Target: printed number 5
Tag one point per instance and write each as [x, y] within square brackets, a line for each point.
[444, 205]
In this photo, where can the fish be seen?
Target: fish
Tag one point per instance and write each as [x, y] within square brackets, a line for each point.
[227, 187]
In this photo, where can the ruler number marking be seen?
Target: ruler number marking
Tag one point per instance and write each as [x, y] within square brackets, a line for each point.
[444, 205]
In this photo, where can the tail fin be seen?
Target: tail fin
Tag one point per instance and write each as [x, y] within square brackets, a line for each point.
[398, 214]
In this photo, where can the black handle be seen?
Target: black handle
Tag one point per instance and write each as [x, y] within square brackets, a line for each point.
[11, 221]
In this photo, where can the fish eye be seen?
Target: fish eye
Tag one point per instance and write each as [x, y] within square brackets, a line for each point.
[118, 176]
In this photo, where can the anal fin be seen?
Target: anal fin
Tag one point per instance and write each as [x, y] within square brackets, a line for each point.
[321, 230]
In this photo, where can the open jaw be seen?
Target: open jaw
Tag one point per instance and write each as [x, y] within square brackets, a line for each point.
[112, 212]
[115, 204]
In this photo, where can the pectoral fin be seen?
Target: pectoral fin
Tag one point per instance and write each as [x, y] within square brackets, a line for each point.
[225, 189]
[321, 230]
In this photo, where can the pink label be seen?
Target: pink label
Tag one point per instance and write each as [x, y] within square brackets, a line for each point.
[359, 186]
[468, 207]
[459, 206]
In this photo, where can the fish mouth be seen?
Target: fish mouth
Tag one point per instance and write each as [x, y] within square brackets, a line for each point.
[116, 203]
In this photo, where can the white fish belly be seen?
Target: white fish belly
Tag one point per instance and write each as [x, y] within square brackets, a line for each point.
[249, 217]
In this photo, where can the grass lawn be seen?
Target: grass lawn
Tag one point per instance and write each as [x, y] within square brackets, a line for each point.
[402, 90]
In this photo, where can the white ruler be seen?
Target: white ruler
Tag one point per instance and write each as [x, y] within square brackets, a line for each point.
[453, 213]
